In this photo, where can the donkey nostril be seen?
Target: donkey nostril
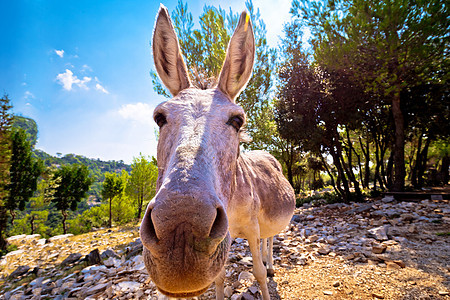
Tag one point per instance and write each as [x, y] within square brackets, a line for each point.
[147, 230]
[219, 228]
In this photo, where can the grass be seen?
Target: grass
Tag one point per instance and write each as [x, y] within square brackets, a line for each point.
[443, 234]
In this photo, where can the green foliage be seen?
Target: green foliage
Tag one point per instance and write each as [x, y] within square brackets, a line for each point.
[71, 182]
[386, 47]
[24, 172]
[204, 50]
[69, 185]
[123, 210]
[5, 160]
[141, 186]
[8, 248]
[113, 186]
[29, 126]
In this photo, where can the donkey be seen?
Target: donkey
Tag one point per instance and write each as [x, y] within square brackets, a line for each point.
[207, 191]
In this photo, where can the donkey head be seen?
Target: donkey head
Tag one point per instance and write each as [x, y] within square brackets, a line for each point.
[185, 228]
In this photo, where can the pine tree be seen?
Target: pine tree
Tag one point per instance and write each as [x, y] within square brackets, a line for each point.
[5, 158]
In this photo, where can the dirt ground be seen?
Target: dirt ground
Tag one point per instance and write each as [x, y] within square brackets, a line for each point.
[327, 252]
[421, 271]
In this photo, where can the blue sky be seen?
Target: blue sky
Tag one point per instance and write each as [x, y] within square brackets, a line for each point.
[81, 70]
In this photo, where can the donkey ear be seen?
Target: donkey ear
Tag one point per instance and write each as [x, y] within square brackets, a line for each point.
[169, 62]
[238, 65]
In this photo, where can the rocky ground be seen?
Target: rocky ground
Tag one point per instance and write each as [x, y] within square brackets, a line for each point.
[379, 249]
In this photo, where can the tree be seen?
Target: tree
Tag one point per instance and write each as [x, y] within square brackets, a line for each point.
[387, 46]
[313, 109]
[112, 187]
[5, 161]
[69, 185]
[141, 186]
[24, 173]
[204, 50]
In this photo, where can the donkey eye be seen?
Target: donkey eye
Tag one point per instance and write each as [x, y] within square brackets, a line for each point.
[160, 120]
[236, 122]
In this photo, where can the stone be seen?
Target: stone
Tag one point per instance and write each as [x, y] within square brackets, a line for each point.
[253, 289]
[390, 265]
[412, 229]
[72, 258]
[228, 291]
[379, 249]
[37, 292]
[324, 250]
[129, 286]
[388, 199]
[336, 283]
[247, 296]
[400, 263]
[95, 289]
[17, 252]
[21, 270]
[37, 282]
[245, 275]
[93, 258]
[109, 253]
[377, 295]
[16, 238]
[379, 233]
[236, 297]
[444, 293]
[328, 293]
[59, 237]
[248, 261]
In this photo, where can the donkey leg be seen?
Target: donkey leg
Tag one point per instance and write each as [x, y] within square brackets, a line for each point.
[258, 267]
[264, 250]
[269, 264]
[219, 285]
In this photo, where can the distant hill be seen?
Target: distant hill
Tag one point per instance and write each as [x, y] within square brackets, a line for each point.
[97, 167]
[29, 125]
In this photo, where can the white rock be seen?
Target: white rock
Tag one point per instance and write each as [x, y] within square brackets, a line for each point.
[60, 237]
[245, 275]
[128, 286]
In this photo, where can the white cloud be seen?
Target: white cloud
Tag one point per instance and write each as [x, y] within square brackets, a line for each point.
[28, 95]
[67, 79]
[60, 53]
[139, 112]
[86, 68]
[101, 88]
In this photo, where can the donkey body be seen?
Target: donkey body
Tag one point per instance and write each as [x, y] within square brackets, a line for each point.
[207, 191]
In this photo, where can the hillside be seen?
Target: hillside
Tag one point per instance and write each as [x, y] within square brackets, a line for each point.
[380, 249]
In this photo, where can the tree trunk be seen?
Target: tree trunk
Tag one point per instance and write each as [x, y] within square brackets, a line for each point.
[349, 169]
[423, 163]
[3, 222]
[337, 163]
[32, 224]
[333, 182]
[13, 216]
[444, 169]
[415, 169]
[64, 214]
[367, 164]
[110, 213]
[141, 201]
[389, 171]
[399, 145]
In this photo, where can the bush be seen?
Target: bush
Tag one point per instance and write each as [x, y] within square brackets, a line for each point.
[318, 199]
[9, 248]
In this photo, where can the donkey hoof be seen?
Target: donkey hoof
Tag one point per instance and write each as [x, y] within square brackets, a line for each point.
[270, 272]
